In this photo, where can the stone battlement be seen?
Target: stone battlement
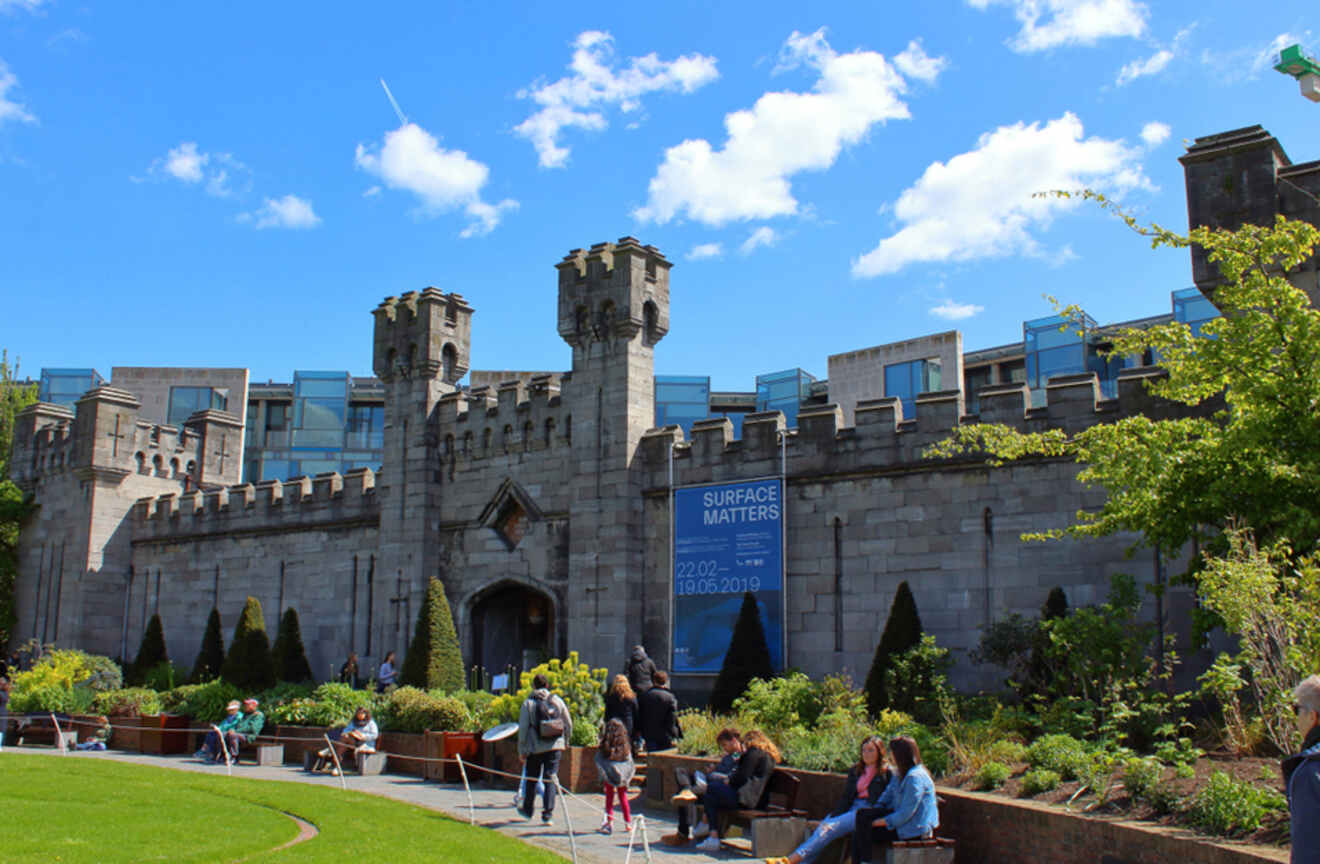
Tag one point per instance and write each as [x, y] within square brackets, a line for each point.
[271, 505]
[508, 418]
[881, 437]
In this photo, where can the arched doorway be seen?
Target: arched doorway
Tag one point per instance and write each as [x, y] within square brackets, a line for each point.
[512, 625]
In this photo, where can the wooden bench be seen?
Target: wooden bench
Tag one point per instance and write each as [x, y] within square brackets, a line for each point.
[939, 850]
[367, 763]
[777, 829]
[263, 751]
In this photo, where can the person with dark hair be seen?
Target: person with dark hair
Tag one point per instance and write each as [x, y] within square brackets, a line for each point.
[748, 788]
[615, 763]
[356, 739]
[4, 709]
[348, 673]
[657, 714]
[1301, 774]
[621, 703]
[865, 788]
[386, 675]
[907, 810]
[544, 730]
[692, 788]
[639, 670]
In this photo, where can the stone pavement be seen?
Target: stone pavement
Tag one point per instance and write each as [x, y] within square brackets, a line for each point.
[493, 806]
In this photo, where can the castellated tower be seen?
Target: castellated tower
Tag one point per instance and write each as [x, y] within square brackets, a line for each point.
[613, 309]
[421, 345]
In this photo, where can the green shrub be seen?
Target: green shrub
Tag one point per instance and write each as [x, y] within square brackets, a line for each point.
[1163, 799]
[1008, 752]
[288, 654]
[578, 685]
[163, 677]
[699, 731]
[414, 710]
[63, 680]
[434, 659]
[1099, 773]
[249, 665]
[331, 704]
[992, 775]
[1039, 780]
[43, 697]
[1228, 807]
[205, 703]
[902, 631]
[917, 679]
[478, 704]
[151, 652]
[131, 700]
[284, 691]
[1061, 753]
[211, 654]
[831, 746]
[1141, 775]
[747, 657]
[780, 704]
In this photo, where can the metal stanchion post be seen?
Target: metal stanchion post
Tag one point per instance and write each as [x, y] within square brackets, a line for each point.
[224, 748]
[59, 736]
[339, 769]
[472, 808]
[568, 820]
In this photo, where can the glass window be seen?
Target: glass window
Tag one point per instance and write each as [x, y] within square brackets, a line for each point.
[973, 381]
[1054, 346]
[1191, 308]
[66, 386]
[783, 391]
[681, 400]
[185, 401]
[907, 380]
[278, 469]
[366, 427]
[279, 419]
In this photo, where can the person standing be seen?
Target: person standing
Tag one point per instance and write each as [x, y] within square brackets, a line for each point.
[386, 674]
[348, 673]
[621, 705]
[639, 670]
[4, 709]
[615, 763]
[544, 730]
[657, 713]
[1301, 775]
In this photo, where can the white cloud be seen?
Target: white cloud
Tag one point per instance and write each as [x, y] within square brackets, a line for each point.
[576, 100]
[1050, 23]
[913, 62]
[287, 212]
[951, 311]
[9, 109]
[979, 204]
[1247, 62]
[1269, 55]
[187, 164]
[704, 250]
[1152, 65]
[1155, 133]
[443, 180]
[371, 192]
[783, 134]
[763, 236]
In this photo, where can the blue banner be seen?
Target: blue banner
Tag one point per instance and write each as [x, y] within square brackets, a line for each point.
[728, 540]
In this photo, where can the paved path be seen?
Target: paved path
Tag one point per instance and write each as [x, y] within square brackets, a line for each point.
[494, 808]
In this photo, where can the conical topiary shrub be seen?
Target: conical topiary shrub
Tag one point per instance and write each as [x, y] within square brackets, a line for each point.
[151, 653]
[211, 656]
[902, 631]
[248, 666]
[434, 659]
[748, 657]
[288, 653]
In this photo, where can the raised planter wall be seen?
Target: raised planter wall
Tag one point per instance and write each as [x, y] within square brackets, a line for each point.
[995, 829]
[577, 767]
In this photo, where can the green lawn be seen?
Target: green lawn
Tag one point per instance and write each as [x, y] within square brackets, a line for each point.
[94, 811]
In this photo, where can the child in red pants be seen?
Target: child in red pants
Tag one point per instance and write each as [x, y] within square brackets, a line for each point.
[615, 763]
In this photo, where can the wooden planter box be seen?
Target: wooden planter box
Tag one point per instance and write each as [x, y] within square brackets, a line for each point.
[127, 734]
[296, 740]
[447, 745]
[163, 734]
[577, 767]
[818, 792]
[400, 745]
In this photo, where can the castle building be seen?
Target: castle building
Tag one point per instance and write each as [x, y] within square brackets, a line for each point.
[557, 512]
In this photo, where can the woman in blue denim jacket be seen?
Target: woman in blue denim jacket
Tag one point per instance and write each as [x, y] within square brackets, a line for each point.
[906, 810]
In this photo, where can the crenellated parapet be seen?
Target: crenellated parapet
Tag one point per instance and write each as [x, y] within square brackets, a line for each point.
[423, 335]
[882, 439]
[510, 417]
[300, 503]
[613, 291]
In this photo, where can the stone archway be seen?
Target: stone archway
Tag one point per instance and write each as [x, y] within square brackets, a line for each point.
[511, 624]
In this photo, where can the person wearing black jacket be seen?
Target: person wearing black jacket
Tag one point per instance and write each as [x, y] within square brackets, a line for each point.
[657, 714]
[692, 787]
[1301, 774]
[640, 669]
[866, 783]
[748, 787]
[621, 704]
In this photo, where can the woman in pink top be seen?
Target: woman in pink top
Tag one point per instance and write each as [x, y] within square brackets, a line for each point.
[865, 785]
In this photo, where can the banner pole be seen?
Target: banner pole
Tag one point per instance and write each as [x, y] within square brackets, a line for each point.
[671, 580]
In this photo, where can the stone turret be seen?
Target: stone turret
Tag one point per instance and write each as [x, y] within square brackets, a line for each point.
[426, 336]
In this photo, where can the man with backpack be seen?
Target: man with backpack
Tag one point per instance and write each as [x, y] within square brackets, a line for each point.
[544, 730]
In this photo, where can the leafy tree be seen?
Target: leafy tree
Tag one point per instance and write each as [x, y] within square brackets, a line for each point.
[14, 397]
[902, 632]
[748, 657]
[151, 653]
[211, 656]
[1245, 448]
[288, 653]
[249, 665]
[434, 660]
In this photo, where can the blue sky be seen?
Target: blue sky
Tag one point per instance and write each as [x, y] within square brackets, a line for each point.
[229, 185]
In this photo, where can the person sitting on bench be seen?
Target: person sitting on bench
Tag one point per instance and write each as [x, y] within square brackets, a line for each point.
[914, 816]
[867, 786]
[358, 737]
[748, 787]
[692, 788]
[246, 730]
[210, 751]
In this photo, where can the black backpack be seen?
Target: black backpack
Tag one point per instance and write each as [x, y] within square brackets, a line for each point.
[549, 722]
